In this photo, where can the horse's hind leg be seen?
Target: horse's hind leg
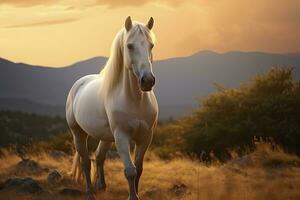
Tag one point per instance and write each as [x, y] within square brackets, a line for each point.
[80, 140]
[101, 151]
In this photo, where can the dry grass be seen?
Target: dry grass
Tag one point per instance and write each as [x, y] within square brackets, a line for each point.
[264, 174]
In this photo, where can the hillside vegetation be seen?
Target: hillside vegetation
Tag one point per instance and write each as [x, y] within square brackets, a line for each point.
[268, 108]
[24, 129]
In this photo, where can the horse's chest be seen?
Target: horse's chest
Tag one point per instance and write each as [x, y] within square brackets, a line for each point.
[142, 112]
[133, 114]
[133, 118]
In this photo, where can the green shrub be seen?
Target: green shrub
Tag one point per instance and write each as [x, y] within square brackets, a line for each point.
[24, 129]
[62, 142]
[266, 107]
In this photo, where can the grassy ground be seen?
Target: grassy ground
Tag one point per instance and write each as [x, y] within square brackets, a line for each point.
[263, 174]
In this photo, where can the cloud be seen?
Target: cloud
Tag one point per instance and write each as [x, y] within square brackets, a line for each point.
[135, 3]
[110, 4]
[266, 25]
[43, 23]
[120, 3]
[89, 3]
[181, 27]
[27, 3]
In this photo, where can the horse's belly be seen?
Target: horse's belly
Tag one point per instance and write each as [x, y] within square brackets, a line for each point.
[89, 111]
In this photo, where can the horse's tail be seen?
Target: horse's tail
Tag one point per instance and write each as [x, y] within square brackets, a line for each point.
[76, 171]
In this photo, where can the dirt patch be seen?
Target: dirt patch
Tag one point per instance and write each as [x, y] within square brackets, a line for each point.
[70, 192]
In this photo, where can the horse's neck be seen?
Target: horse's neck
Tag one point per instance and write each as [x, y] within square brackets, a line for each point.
[131, 86]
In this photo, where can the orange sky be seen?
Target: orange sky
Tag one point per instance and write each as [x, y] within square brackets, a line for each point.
[60, 32]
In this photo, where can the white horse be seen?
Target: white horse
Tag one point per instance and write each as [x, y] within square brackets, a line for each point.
[117, 105]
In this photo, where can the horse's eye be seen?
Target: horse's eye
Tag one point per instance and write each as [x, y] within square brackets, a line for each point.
[130, 46]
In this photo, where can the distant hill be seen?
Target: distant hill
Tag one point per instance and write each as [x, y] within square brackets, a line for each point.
[43, 84]
[180, 81]
[28, 106]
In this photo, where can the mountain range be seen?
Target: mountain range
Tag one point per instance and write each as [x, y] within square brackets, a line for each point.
[181, 82]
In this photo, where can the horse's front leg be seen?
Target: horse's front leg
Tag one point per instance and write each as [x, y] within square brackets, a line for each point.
[140, 150]
[122, 141]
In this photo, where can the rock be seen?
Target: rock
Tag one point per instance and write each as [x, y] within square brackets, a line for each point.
[31, 166]
[179, 189]
[58, 154]
[26, 185]
[54, 177]
[112, 155]
[70, 192]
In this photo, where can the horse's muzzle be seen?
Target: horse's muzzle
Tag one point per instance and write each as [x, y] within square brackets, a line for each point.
[147, 82]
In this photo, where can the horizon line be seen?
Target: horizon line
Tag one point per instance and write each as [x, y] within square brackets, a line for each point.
[176, 57]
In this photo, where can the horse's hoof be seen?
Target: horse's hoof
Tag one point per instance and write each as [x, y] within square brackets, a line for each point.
[90, 195]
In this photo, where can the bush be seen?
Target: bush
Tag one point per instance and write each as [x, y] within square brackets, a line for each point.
[24, 129]
[62, 142]
[266, 107]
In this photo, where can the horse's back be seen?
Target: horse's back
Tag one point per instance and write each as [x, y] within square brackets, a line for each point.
[85, 106]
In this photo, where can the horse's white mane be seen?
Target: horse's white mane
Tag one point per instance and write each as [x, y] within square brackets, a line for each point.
[112, 70]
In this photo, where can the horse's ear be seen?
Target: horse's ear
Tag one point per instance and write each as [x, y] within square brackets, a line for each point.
[128, 23]
[150, 23]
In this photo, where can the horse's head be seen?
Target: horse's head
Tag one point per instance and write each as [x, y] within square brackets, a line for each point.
[138, 44]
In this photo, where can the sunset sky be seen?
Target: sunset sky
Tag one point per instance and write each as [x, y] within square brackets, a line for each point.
[61, 32]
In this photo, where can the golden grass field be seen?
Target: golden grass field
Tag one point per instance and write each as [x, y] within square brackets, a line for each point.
[262, 174]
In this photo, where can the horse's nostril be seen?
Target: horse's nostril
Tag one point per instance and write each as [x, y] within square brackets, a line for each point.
[143, 80]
